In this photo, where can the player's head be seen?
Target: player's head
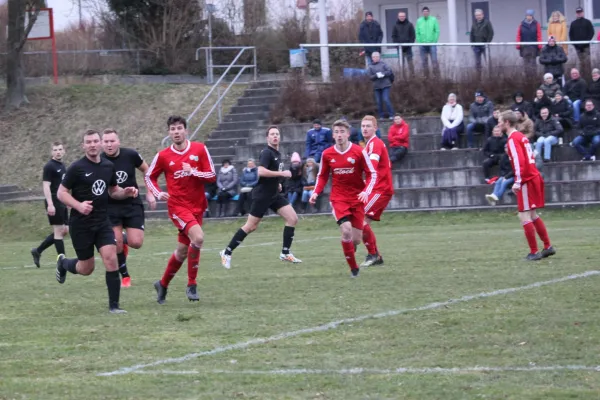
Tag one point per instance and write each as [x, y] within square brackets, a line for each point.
[177, 126]
[368, 125]
[91, 143]
[58, 151]
[273, 136]
[110, 142]
[507, 121]
[341, 132]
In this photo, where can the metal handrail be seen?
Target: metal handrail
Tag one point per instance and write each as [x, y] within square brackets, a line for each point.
[317, 45]
[210, 66]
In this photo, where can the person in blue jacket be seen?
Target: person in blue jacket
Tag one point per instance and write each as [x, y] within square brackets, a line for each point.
[318, 139]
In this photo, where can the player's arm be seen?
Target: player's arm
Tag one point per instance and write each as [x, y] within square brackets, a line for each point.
[119, 193]
[151, 179]
[322, 178]
[519, 161]
[143, 167]
[48, 196]
[371, 173]
[266, 173]
[65, 197]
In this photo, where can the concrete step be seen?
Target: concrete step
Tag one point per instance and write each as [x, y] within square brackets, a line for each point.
[225, 142]
[267, 84]
[250, 109]
[262, 91]
[263, 100]
[8, 188]
[4, 196]
[222, 151]
[223, 134]
[237, 125]
[246, 117]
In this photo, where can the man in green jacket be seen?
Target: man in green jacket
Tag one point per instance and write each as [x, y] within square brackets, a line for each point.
[428, 31]
[481, 32]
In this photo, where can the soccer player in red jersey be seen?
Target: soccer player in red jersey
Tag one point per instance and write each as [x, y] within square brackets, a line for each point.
[346, 162]
[528, 187]
[187, 167]
[382, 192]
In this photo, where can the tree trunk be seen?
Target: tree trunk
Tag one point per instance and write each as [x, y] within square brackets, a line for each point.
[15, 81]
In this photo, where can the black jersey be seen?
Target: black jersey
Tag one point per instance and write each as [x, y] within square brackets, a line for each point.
[88, 180]
[54, 172]
[125, 164]
[268, 187]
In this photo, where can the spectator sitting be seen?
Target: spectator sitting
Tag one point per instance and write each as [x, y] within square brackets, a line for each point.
[210, 191]
[548, 130]
[562, 111]
[491, 123]
[318, 139]
[248, 180]
[227, 181]
[452, 119]
[589, 132]
[493, 150]
[525, 125]
[522, 105]
[575, 91]
[549, 86]
[505, 180]
[540, 101]
[294, 184]
[398, 138]
[480, 111]
[382, 77]
[355, 135]
[309, 178]
[553, 58]
[593, 91]
[370, 32]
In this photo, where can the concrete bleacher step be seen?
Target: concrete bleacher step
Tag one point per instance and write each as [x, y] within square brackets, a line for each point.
[268, 84]
[8, 188]
[222, 151]
[225, 142]
[262, 91]
[15, 194]
[238, 125]
[256, 100]
[250, 109]
[245, 117]
[228, 134]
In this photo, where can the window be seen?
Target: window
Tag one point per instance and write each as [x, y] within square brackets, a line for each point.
[596, 8]
[554, 5]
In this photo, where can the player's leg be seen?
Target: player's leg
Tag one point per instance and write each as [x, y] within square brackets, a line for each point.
[290, 217]
[108, 253]
[257, 211]
[524, 207]
[348, 244]
[373, 211]
[196, 235]
[121, 257]
[537, 198]
[83, 242]
[53, 220]
[173, 265]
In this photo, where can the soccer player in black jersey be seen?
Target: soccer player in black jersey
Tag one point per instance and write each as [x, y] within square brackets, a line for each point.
[86, 187]
[58, 215]
[266, 195]
[127, 213]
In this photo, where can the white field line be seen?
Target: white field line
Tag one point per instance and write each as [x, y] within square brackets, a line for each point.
[338, 323]
[377, 371]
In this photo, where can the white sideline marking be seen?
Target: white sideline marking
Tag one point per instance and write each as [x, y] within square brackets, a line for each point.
[377, 371]
[336, 324]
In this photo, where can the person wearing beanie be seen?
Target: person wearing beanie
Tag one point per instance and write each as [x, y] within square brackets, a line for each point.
[582, 30]
[480, 111]
[370, 32]
[549, 86]
[522, 104]
[293, 186]
[427, 31]
[553, 58]
[318, 139]
[530, 31]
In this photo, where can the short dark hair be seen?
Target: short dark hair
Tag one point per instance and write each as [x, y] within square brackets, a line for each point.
[57, 143]
[589, 101]
[175, 120]
[340, 122]
[272, 127]
[544, 108]
[90, 132]
[226, 161]
[109, 130]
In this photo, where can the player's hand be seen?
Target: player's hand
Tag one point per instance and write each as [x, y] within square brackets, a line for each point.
[163, 196]
[131, 191]
[516, 188]
[364, 197]
[286, 174]
[313, 199]
[280, 188]
[51, 210]
[85, 207]
[186, 167]
[151, 201]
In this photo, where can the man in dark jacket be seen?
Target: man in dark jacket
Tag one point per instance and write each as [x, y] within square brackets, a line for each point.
[593, 90]
[493, 150]
[529, 31]
[582, 30]
[382, 77]
[479, 112]
[318, 139]
[589, 132]
[404, 32]
[553, 58]
[548, 130]
[522, 105]
[370, 32]
[491, 123]
[575, 90]
[481, 32]
[562, 111]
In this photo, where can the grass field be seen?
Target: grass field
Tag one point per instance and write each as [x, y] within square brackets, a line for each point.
[57, 341]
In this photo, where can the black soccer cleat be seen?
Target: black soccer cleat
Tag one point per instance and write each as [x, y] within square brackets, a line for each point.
[548, 252]
[370, 260]
[533, 257]
[379, 260]
[355, 272]
[61, 272]
[116, 310]
[161, 292]
[192, 293]
[36, 257]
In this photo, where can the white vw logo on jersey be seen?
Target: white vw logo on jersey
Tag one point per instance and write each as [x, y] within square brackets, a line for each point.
[98, 187]
[121, 177]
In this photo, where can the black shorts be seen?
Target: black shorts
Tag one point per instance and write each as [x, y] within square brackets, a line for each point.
[85, 238]
[260, 206]
[61, 216]
[126, 215]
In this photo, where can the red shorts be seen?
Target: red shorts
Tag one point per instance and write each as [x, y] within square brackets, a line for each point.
[531, 195]
[376, 205]
[184, 219]
[354, 212]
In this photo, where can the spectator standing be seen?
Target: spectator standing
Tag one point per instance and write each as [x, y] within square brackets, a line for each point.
[309, 178]
[557, 27]
[593, 90]
[382, 77]
[522, 104]
[248, 180]
[530, 31]
[493, 151]
[227, 181]
[370, 33]
[540, 101]
[505, 180]
[491, 123]
[547, 130]
[553, 58]
[404, 32]
[525, 125]
[428, 31]
[480, 111]
[398, 138]
[575, 91]
[318, 139]
[562, 111]
[582, 30]
[482, 31]
[589, 132]
[452, 119]
[549, 86]
[294, 184]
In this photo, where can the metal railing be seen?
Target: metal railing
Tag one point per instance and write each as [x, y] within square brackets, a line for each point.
[208, 51]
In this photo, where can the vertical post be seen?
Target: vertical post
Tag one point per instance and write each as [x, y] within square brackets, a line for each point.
[219, 111]
[206, 61]
[137, 61]
[210, 63]
[324, 40]
[54, 55]
[255, 64]
[453, 37]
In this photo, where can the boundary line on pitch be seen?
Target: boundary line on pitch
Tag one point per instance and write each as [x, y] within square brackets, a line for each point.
[335, 324]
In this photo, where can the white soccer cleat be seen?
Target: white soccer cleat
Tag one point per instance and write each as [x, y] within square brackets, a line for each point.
[225, 260]
[491, 199]
[289, 258]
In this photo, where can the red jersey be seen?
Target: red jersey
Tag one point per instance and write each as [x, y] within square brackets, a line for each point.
[347, 169]
[521, 158]
[186, 189]
[380, 159]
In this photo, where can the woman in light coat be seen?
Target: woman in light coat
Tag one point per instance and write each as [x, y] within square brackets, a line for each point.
[452, 119]
[557, 27]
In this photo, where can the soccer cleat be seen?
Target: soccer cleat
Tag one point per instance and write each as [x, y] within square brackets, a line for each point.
[161, 292]
[491, 199]
[289, 258]
[61, 272]
[548, 252]
[355, 272]
[225, 260]
[370, 260]
[117, 310]
[533, 257]
[192, 293]
[126, 282]
[379, 260]
[36, 257]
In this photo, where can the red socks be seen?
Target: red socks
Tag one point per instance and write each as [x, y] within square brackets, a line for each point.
[530, 236]
[540, 228]
[193, 261]
[172, 267]
[369, 239]
[349, 253]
